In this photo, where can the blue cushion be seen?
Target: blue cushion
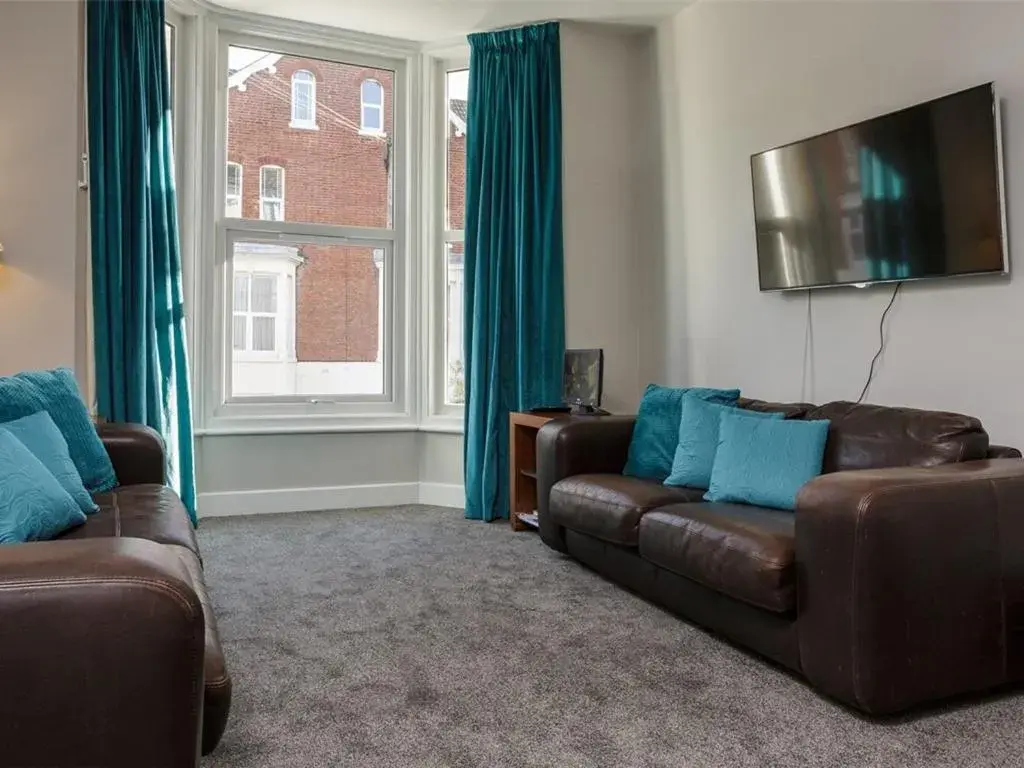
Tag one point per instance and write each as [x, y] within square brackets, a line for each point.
[698, 440]
[40, 435]
[56, 392]
[656, 432]
[765, 461]
[33, 506]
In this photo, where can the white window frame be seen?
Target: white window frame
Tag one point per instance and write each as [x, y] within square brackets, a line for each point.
[241, 188]
[217, 411]
[308, 124]
[439, 415]
[364, 105]
[263, 196]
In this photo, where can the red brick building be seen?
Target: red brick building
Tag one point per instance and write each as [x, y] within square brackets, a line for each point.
[310, 141]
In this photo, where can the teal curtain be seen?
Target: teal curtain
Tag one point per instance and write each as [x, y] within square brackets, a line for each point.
[514, 286]
[141, 365]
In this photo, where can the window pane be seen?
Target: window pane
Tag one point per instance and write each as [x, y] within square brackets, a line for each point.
[263, 330]
[270, 182]
[455, 388]
[455, 178]
[241, 292]
[234, 180]
[238, 332]
[170, 52]
[372, 92]
[371, 118]
[336, 175]
[271, 211]
[264, 293]
[316, 322]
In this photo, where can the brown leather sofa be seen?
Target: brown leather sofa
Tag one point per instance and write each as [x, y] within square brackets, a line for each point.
[898, 580]
[109, 652]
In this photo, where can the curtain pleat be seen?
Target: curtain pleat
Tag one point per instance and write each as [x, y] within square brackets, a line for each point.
[141, 363]
[514, 285]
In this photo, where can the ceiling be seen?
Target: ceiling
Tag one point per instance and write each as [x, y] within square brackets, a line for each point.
[447, 20]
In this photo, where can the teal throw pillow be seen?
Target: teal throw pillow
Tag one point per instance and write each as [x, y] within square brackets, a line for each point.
[765, 461]
[40, 435]
[33, 506]
[698, 440]
[56, 392]
[656, 432]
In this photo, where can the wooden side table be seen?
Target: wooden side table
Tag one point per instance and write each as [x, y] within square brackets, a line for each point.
[522, 454]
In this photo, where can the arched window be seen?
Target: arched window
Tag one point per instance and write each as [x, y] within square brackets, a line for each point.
[371, 97]
[303, 99]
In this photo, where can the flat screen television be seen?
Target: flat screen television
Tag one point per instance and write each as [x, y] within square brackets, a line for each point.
[910, 195]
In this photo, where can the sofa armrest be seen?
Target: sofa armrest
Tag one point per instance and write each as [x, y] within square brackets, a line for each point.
[137, 452]
[101, 651]
[1002, 452]
[577, 446]
[911, 582]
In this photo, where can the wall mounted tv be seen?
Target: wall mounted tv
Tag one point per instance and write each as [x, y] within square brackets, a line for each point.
[914, 194]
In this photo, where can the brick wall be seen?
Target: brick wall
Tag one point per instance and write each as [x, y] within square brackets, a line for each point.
[333, 175]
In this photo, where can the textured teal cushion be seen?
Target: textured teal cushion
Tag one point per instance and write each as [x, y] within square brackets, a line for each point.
[698, 440]
[56, 392]
[656, 432]
[33, 506]
[765, 461]
[40, 435]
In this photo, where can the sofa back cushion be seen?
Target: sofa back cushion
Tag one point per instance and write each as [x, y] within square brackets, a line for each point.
[788, 410]
[875, 437]
[656, 432]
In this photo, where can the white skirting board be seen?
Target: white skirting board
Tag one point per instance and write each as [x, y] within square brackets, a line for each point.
[264, 502]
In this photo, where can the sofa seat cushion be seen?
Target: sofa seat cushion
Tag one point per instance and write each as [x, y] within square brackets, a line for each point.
[609, 507]
[742, 551]
[217, 682]
[152, 512]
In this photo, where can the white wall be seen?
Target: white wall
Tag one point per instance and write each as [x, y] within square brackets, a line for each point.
[611, 203]
[39, 198]
[750, 76]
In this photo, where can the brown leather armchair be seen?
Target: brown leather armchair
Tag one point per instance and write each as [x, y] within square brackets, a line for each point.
[109, 653]
[899, 579]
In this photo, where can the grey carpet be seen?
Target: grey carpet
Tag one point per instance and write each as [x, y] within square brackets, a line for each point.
[413, 638]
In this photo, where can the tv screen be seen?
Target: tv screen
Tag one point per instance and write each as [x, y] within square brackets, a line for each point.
[913, 194]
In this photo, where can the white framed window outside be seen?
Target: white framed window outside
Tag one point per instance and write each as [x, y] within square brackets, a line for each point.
[303, 99]
[371, 106]
[255, 312]
[233, 191]
[308, 302]
[272, 193]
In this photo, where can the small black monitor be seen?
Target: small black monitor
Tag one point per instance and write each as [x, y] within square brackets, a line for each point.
[582, 376]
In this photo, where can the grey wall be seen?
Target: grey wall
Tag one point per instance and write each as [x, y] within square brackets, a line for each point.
[612, 202]
[749, 76]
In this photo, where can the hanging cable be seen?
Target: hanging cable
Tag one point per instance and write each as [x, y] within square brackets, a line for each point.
[881, 342]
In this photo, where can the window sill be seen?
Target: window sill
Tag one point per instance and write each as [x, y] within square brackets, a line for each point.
[304, 126]
[312, 429]
[372, 133]
[444, 425]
